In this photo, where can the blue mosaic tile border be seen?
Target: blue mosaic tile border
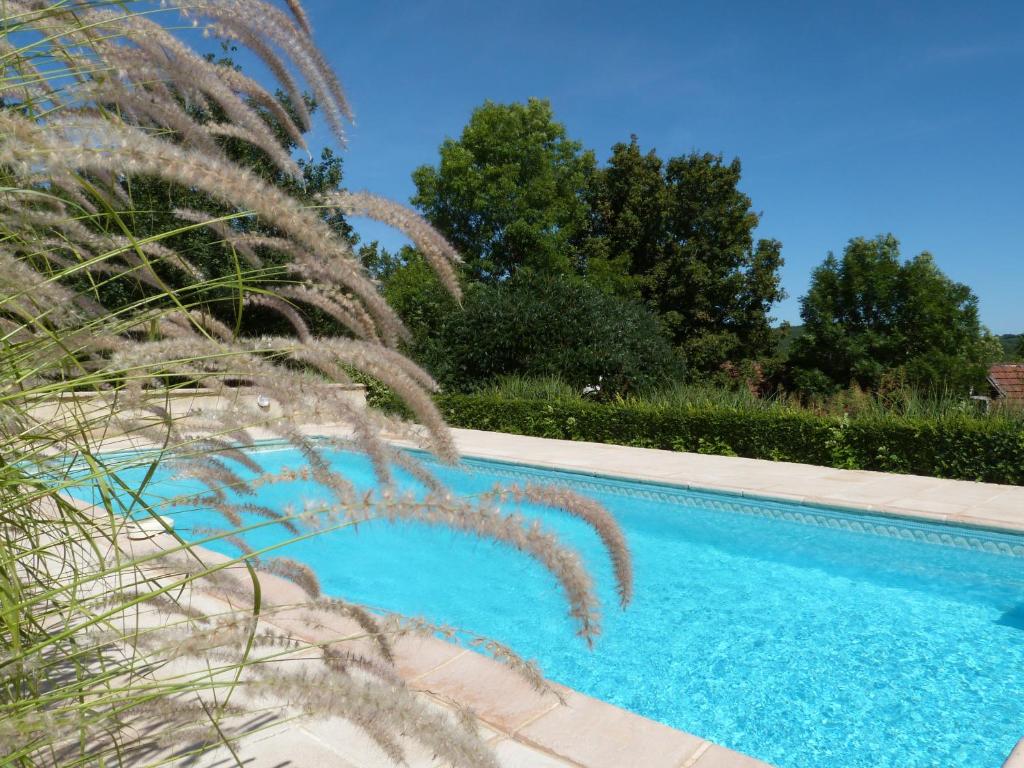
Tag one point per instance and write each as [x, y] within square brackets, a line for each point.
[959, 537]
[855, 521]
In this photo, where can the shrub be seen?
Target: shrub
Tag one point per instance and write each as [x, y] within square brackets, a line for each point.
[869, 315]
[552, 326]
[414, 292]
[951, 446]
[516, 387]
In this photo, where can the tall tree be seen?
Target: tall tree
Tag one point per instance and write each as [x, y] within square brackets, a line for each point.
[508, 193]
[869, 315]
[681, 234]
[628, 200]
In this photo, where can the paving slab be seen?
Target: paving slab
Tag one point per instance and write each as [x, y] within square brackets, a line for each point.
[1016, 758]
[720, 757]
[515, 754]
[499, 697]
[599, 735]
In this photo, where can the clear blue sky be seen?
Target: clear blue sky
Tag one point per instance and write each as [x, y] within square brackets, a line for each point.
[850, 118]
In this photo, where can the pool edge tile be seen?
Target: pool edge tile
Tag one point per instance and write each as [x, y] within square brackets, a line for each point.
[498, 696]
[597, 734]
[1016, 757]
[735, 475]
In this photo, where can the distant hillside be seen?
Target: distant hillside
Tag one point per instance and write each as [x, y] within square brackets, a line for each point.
[1011, 344]
[793, 332]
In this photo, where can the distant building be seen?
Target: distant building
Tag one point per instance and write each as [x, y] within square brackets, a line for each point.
[1007, 382]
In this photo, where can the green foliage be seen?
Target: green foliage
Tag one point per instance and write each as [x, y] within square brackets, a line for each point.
[152, 214]
[544, 326]
[628, 201]
[959, 446]
[869, 316]
[515, 194]
[379, 262]
[688, 395]
[518, 387]
[412, 288]
[680, 234]
[1012, 345]
[508, 193]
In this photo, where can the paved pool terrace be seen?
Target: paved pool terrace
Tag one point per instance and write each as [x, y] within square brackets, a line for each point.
[528, 729]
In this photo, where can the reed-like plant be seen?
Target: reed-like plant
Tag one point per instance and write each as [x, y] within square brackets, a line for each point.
[118, 654]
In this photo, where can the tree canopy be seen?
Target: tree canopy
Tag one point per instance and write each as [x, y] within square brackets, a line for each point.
[515, 193]
[681, 231]
[508, 193]
[158, 205]
[520, 199]
[868, 315]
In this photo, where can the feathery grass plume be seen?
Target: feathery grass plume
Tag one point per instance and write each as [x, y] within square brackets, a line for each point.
[300, 16]
[393, 705]
[258, 510]
[105, 322]
[111, 146]
[223, 230]
[374, 629]
[438, 252]
[297, 573]
[259, 95]
[274, 63]
[344, 660]
[285, 309]
[523, 534]
[335, 305]
[592, 513]
[210, 77]
[266, 21]
[225, 449]
[526, 669]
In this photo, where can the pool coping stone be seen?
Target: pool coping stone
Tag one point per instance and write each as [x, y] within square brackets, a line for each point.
[987, 506]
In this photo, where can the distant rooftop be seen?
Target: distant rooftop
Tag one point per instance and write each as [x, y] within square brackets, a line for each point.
[1008, 380]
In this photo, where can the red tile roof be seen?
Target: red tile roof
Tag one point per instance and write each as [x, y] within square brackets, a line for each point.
[1008, 379]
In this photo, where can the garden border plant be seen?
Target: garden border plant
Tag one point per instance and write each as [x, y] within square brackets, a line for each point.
[964, 447]
[104, 658]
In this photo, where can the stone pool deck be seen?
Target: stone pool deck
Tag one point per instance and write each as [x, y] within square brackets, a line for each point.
[528, 729]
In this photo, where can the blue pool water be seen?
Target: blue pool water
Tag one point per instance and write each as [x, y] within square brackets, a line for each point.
[807, 637]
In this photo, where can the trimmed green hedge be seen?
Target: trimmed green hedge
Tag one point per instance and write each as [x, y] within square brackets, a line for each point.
[962, 447]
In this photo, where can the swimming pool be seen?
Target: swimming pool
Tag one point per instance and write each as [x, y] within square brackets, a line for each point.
[808, 637]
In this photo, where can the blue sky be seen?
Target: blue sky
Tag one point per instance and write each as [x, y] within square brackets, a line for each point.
[849, 118]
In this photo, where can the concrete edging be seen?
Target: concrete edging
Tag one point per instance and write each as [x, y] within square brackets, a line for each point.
[952, 502]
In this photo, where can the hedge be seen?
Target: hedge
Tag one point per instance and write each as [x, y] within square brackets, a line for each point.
[959, 447]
